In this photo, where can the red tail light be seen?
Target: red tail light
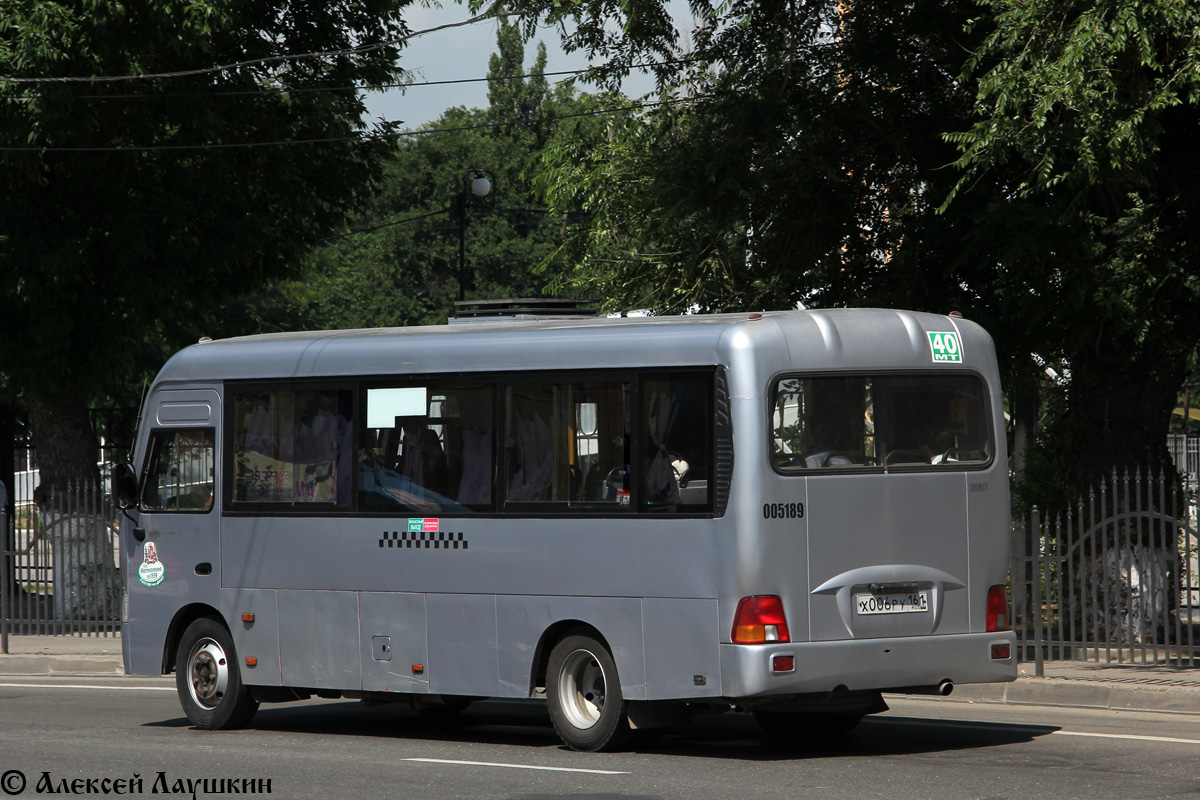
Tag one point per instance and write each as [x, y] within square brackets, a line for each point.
[760, 619]
[997, 609]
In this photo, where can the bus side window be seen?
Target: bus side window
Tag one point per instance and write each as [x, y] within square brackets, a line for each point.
[427, 448]
[599, 448]
[535, 464]
[292, 447]
[179, 475]
[675, 419]
[567, 444]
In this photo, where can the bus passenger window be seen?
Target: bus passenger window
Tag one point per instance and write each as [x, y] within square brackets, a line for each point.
[292, 447]
[535, 467]
[675, 421]
[568, 444]
[179, 476]
[598, 452]
[427, 448]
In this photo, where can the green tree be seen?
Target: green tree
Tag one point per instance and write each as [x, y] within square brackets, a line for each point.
[797, 149]
[401, 267]
[804, 156]
[157, 158]
[1085, 139]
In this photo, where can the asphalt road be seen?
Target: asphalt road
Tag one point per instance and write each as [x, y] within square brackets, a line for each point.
[63, 733]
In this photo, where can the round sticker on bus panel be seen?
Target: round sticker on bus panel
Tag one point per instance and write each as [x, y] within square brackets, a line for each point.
[151, 571]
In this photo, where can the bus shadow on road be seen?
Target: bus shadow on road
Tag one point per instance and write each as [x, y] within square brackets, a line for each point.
[737, 736]
[728, 736]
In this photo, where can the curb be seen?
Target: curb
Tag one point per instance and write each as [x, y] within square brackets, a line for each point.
[28, 664]
[1104, 694]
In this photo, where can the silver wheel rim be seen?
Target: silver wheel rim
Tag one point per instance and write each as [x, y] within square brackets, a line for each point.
[582, 686]
[208, 674]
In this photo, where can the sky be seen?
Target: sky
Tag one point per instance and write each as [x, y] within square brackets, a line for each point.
[463, 53]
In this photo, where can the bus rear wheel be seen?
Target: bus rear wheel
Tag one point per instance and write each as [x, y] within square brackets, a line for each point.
[208, 680]
[584, 695]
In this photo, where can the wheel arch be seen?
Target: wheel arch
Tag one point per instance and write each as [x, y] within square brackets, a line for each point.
[184, 617]
[550, 637]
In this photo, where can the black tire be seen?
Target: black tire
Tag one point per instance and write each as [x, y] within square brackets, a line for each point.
[807, 728]
[208, 678]
[584, 694]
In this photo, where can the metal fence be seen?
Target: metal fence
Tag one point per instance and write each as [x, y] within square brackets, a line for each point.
[59, 561]
[1185, 451]
[59, 571]
[1112, 579]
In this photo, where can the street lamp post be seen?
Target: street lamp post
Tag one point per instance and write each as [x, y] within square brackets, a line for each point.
[480, 186]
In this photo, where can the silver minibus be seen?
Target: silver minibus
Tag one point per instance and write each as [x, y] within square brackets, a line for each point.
[785, 513]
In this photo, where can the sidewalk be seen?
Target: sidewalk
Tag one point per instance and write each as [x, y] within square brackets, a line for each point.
[1119, 687]
[1085, 684]
[62, 655]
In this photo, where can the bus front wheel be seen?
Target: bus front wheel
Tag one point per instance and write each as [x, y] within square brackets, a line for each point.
[584, 695]
[208, 680]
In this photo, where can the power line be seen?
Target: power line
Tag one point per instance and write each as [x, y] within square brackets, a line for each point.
[439, 212]
[210, 146]
[356, 231]
[362, 139]
[597, 113]
[310, 89]
[366, 48]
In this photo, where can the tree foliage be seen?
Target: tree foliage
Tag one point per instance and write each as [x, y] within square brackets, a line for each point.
[796, 148]
[398, 262]
[807, 152]
[1084, 134]
[157, 158]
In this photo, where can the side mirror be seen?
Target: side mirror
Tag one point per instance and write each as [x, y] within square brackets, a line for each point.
[124, 485]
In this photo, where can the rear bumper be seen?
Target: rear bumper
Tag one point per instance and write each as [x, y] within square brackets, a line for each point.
[746, 670]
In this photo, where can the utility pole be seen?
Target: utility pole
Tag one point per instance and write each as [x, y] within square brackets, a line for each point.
[480, 185]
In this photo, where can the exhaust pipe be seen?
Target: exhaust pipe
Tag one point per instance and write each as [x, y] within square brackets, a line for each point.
[943, 689]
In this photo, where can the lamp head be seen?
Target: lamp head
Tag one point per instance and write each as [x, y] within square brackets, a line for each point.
[481, 186]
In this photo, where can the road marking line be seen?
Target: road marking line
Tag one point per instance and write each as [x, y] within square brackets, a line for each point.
[982, 725]
[1031, 728]
[85, 686]
[1132, 736]
[513, 766]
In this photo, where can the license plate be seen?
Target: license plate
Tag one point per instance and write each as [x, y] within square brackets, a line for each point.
[905, 603]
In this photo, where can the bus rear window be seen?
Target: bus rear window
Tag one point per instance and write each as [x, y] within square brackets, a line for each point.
[891, 421]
